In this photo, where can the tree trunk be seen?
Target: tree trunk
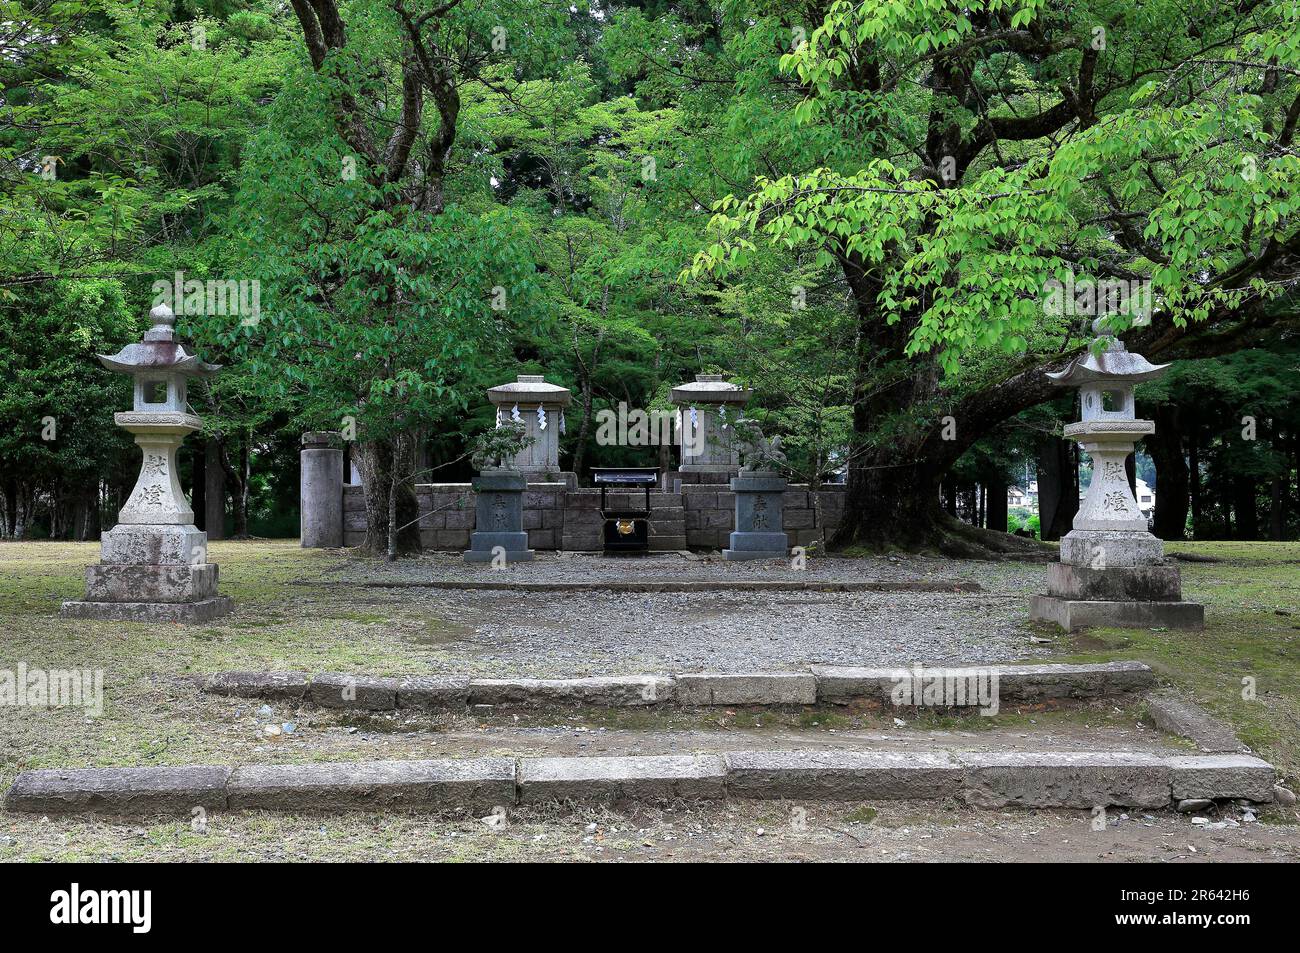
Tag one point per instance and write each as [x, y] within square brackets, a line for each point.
[1276, 509]
[1244, 508]
[11, 508]
[995, 506]
[214, 494]
[376, 462]
[199, 485]
[1058, 487]
[1165, 448]
[580, 447]
[240, 495]
[1194, 478]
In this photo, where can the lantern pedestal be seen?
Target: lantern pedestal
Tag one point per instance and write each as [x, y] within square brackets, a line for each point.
[153, 564]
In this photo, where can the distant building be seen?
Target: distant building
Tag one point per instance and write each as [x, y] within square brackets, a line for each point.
[1026, 499]
[1146, 498]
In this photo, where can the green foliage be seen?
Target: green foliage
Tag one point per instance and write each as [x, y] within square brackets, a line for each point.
[496, 447]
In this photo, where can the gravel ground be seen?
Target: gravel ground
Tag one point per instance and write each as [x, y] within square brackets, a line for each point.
[570, 634]
[684, 567]
[564, 634]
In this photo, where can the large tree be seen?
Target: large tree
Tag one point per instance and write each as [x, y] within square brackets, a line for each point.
[1013, 144]
[380, 279]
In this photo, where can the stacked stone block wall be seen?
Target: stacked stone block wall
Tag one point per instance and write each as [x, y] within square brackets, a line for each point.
[558, 518]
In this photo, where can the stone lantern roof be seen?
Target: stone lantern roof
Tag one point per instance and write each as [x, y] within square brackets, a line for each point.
[530, 389]
[710, 389]
[159, 351]
[1115, 364]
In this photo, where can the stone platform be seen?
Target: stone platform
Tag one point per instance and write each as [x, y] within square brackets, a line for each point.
[151, 573]
[202, 611]
[1071, 614]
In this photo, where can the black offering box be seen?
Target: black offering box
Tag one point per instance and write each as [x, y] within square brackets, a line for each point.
[627, 527]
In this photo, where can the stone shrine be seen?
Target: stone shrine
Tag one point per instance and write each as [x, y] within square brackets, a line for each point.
[539, 406]
[708, 407]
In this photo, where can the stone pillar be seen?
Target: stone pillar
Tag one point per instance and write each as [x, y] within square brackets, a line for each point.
[707, 407]
[760, 511]
[1112, 572]
[499, 518]
[320, 491]
[539, 406]
[154, 563]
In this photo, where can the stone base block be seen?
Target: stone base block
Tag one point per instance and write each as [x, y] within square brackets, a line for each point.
[1065, 779]
[613, 691]
[204, 611]
[119, 790]
[1111, 549]
[1022, 683]
[433, 691]
[154, 545]
[842, 775]
[609, 780]
[1194, 723]
[1218, 776]
[354, 691]
[479, 784]
[1072, 614]
[1120, 584]
[748, 688]
[273, 686]
[108, 582]
[757, 546]
[482, 544]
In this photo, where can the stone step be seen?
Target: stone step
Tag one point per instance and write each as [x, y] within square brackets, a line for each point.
[985, 779]
[818, 683]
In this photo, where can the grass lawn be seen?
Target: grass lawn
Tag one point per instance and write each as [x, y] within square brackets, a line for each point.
[1252, 632]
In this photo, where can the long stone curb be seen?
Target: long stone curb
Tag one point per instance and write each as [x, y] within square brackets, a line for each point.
[822, 683]
[720, 585]
[980, 779]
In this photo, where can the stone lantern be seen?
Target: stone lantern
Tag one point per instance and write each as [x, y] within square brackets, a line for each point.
[1112, 571]
[708, 407]
[153, 564]
[539, 406]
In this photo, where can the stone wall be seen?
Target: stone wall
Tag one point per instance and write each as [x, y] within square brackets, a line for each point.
[556, 517]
